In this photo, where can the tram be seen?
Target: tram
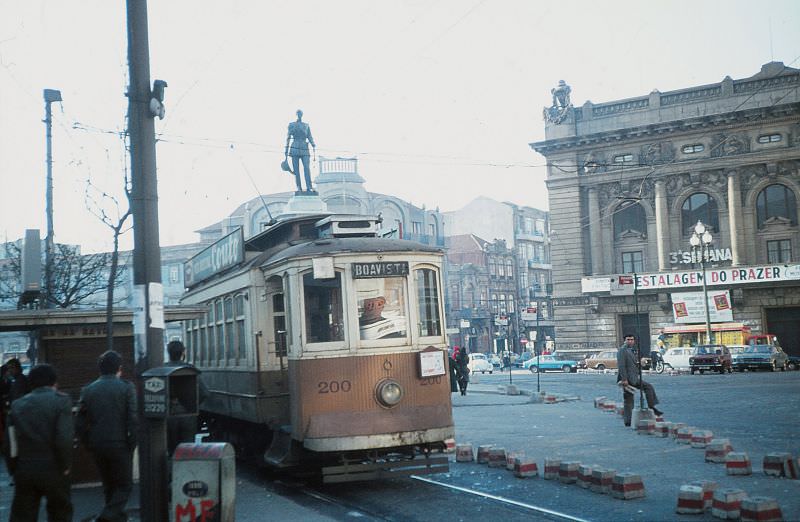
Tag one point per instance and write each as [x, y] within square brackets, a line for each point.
[324, 344]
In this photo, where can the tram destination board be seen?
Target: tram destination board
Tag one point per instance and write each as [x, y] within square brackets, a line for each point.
[380, 269]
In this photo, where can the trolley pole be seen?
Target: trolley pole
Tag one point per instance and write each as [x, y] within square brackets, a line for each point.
[148, 292]
[638, 337]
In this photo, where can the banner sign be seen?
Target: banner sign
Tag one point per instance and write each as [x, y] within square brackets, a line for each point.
[727, 276]
[225, 253]
[687, 307]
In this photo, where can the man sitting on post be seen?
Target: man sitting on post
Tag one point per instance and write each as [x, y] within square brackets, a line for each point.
[628, 375]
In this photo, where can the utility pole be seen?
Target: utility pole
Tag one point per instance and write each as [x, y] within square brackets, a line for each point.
[148, 292]
[50, 96]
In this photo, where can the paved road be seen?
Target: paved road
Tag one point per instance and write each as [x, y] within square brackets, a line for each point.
[758, 412]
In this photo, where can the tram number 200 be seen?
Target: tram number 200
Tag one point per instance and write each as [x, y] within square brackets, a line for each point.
[333, 386]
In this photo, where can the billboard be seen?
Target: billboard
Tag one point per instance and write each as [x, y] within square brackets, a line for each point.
[687, 307]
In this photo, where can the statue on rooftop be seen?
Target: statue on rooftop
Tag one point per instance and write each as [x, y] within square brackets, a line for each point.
[562, 105]
[297, 140]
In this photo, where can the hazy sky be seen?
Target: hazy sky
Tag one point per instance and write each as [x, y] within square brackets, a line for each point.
[437, 99]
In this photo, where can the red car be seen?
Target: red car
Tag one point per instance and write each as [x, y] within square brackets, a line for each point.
[711, 357]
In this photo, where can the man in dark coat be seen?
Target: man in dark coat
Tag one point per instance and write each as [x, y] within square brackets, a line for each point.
[40, 439]
[107, 423]
[628, 374]
[462, 369]
[182, 429]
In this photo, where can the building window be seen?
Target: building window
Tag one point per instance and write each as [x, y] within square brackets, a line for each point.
[632, 262]
[539, 231]
[509, 267]
[629, 218]
[623, 158]
[693, 149]
[779, 251]
[174, 276]
[432, 229]
[699, 207]
[416, 227]
[776, 202]
[769, 138]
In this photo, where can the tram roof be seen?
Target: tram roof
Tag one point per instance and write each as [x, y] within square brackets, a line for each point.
[22, 320]
[345, 245]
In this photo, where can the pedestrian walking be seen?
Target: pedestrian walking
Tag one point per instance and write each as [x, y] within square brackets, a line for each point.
[40, 429]
[451, 366]
[13, 385]
[628, 375]
[107, 425]
[462, 369]
[182, 429]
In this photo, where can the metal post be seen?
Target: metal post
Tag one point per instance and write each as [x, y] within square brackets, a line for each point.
[703, 256]
[149, 318]
[638, 337]
[50, 96]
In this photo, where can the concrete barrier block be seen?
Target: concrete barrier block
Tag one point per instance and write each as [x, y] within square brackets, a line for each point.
[727, 503]
[627, 486]
[568, 472]
[673, 430]
[525, 467]
[464, 453]
[483, 453]
[646, 427]
[598, 401]
[760, 509]
[684, 435]
[551, 467]
[717, 450]
[585, 475]
[701, 438]
[690, 500]
[497, 458]
[602, 479]
[511, 457]
[661, 429]
[738, 463]
[709, 487]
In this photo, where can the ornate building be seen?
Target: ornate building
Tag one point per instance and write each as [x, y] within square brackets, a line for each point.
[628, 181]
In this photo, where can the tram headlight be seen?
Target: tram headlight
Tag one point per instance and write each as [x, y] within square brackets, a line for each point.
[389, 393]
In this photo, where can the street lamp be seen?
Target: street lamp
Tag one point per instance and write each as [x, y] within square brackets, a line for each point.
[701, 247]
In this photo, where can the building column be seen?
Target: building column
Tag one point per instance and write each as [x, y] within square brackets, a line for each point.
[735, 216]
[595, 232]
[662, 226]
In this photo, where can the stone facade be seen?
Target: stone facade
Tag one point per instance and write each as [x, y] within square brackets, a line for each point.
[628, 179]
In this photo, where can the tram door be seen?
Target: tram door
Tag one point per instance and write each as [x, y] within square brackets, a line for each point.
[278, 348]
[785, 323]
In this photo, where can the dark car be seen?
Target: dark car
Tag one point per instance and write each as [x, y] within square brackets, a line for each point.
[762, 356]
[711, 357]
[794, 362]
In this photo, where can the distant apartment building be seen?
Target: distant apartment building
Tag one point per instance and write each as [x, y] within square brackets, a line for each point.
[628, 182]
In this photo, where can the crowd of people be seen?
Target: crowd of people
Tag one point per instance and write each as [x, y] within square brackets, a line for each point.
[39, 432]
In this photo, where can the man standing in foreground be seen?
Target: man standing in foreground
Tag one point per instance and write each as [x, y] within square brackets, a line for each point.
[40, 438]
[628, 374]
[107, 424]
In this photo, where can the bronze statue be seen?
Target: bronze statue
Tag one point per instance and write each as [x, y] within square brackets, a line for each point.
[299, 137]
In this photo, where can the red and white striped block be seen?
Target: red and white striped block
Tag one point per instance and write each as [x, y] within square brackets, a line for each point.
[673, 430]
[717, 450]
[568, 472]
[738, 464]
[483, 453]
[551, 467]
[773, 464]
[709, 487]
[585, 475]
[646, 427]
[727, 503]
[760, 509]
[620, 409]
[684, 435]
[464, 453]
[550, 399]
[627, 486]
[449, 445]
[690, 500]
[701, 438]
[661, 429]
[790, 468]
[497, 458]
[598, 401]
[525, 467]
[601, 480]
[511, 457]
[609, 406]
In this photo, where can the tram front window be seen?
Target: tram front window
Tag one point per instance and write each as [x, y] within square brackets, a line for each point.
[382, 308]
[323, 308]
[430, 323]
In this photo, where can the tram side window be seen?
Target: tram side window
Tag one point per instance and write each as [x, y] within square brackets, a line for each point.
[279, 324]
[430, 322]
[220, 331]
[241, 336]
[382, 307]
[323, 309]
[230, 346]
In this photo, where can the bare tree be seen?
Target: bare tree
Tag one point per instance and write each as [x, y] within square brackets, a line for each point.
[107, 209]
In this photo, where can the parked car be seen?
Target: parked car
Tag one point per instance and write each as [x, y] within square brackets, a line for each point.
[678, 358]
[736, 351]
[603, 360]
[495, 359]
[712, 357]
[794, 362]
[762, 356]
[550, 362]
[479, 363]
[524, 356]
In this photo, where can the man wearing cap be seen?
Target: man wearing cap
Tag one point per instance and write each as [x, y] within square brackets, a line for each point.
[628, 375]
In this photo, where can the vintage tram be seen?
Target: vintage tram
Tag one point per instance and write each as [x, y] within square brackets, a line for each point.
[324, 344]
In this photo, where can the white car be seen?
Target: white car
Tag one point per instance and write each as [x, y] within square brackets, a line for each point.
[479, 363]
[679, 357]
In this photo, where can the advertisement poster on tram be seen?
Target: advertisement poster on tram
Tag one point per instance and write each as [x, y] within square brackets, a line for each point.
[687, 307]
